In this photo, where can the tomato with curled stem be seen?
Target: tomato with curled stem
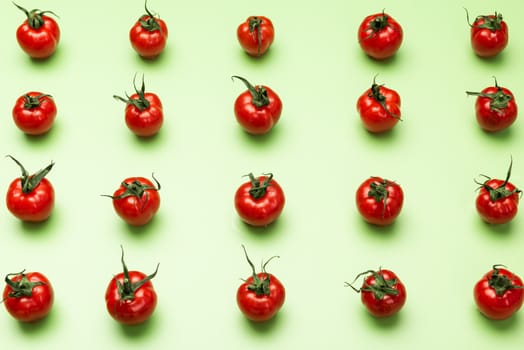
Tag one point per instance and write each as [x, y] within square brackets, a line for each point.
[380, 36]
[130, 296]
[497, 200]
[28, 297]
[31, 198]
[379, 201]
[261, 295]
[260, 201]
[255, 35]
[499, 293]
[148, 36]
[489, 35]
[137, 200]
[379, 108]
[34, 113]
[495, 108]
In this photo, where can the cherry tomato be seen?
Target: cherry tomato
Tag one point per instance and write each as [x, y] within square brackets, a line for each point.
[34, 113]
[261, 295]
[31, 198]
[379, 200]
[130, 296]
[497, 201]
[148, 35]
[498, 294]
[495, 107]
[260, 201]
[137, 200]
[379, 108]
[380, 36]
[39, 34]
[258, 108]
[255, 35]
[382, 292]
[143, 114]
[28, 296]
[489, 35]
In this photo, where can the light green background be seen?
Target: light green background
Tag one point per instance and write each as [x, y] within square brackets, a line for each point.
[319, 153]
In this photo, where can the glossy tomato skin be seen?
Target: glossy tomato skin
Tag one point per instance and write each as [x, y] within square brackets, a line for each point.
[34, 113]
[491, 118]
[502, 305]
[379, 108]
[39, 42]
[148, 43]
[263, 210]
[380, 36]
[390, 304]
[34, 307]
[489, 42]
[136, 201]
[370, 197]
[499, 211]
[35, 206]
[258, 120]
[260, 308]
[145, 122]
[255, 35]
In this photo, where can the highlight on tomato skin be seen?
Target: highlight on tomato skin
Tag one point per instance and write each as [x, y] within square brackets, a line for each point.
[380, 36]
[489, 35]
[379, 201]
[34, 113]
[148, 36]
[255, 35]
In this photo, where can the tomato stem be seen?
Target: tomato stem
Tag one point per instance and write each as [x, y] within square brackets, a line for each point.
[499, 100]
[21, 288]
[258, 94]
[30, 182]
[150, 24]
[254, 24]
[380, 288]
[31, 102]
[492, 23]
[259, 286]
[258, 189]
[380, 192]
[34, 17]
[126, 289]
[500, 192]
[141, 102]
[500, 283]
[380, 98]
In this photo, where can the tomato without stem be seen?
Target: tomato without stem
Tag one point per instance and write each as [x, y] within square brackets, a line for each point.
[379, 108]
[39, 34]
[382, 292]
[499, 293]
[148, 36]
[28, 297]
[130, 296]
[488, 35]
[259, 201]
[34, 113]
[31, 198]
[261, 295]
[255, 35]
[380, 36]
[379, 201]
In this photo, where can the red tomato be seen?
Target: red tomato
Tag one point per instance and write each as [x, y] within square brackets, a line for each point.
[34, 113]
[31, 197]
[143, 115]
[497, 201]
[379, 108]
[382, 292]
[257, 109]
[148, 35]
[137, 200]
[380, 36]
[260, 201]
[28, 296]
[379, 200]
[496, 108]
[261, 295]
[255, 35]
[39, 34]
[498, 294]
[130, 296]
[489, 35]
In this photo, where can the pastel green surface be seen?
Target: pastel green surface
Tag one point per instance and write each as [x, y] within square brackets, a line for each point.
[319, 153]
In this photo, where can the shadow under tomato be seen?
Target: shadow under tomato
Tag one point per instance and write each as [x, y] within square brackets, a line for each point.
[40, 228]
[262, 233]
[39, 327]
[379, 232]
[257, 60]
[144, 231]
[41, 140]
[140, 331]
[384, 323]
[497, 231]
[260, 140]
[497, 60]
[263, 327]
[506, 325]
[49, 62]
[502, 135]
[157, 61]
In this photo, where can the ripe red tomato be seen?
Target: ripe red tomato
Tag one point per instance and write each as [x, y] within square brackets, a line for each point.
[380, 36]
[260, 201]
[495, 107]
[489, 35]
[148, 35]
[379, 200]
[382, 292]
[261, 295]
[144, 115]
[34, 113]
[39, 34]
[258, 108]
[255, 35]
[379, 108]
[31, 198]
[130, 296]
[498, 294]
[28, 296]
[497, 201]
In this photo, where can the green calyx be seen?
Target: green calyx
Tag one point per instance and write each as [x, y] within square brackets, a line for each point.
[500, 192]
[380, 288]
[499, 99]
[22, 287]
[500, 283]
[379, 22]
[34, 17]
[258, 94]
[30, 182]
[259, 286]
[31, 102]
[140, 102]
[259, 189]
[380, 98]
[136, 189]
[126, 289]
[150, 24]
[492, 23]
[254, 25]
[379, 192]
